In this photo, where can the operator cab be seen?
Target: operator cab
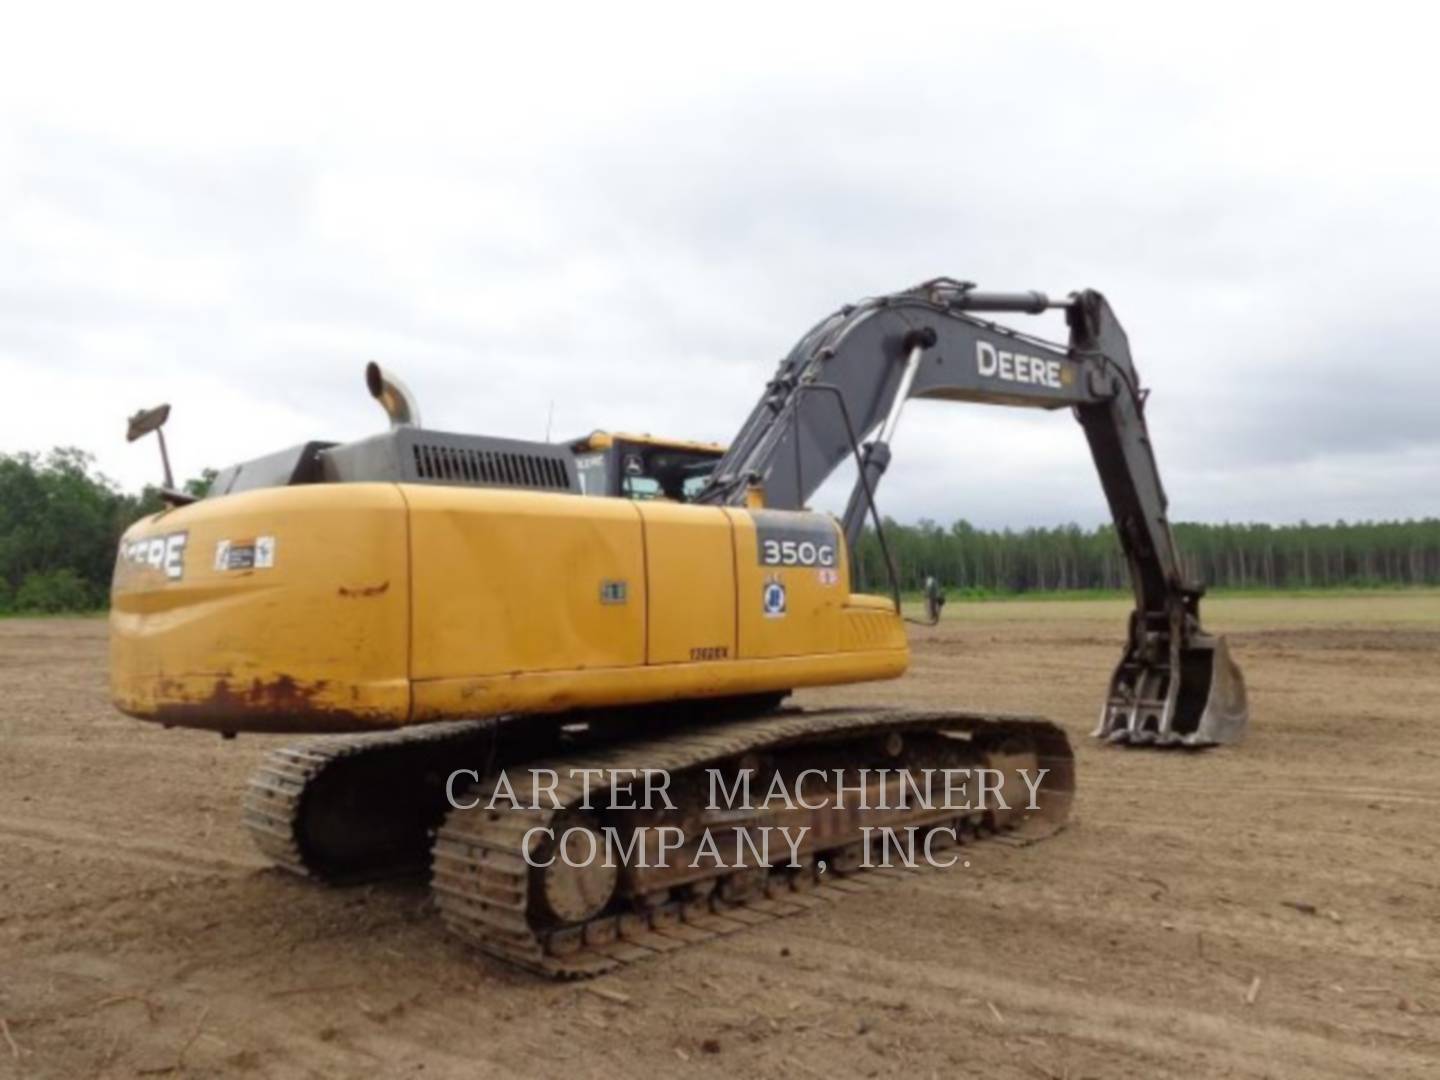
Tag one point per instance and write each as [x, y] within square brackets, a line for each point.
[642, 466]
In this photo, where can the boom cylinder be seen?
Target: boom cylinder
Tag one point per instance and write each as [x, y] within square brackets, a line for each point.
[1029, 303]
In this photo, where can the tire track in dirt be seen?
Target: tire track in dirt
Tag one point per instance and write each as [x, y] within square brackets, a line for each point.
[77, 839]
[1322, 789]
[1124, 1026]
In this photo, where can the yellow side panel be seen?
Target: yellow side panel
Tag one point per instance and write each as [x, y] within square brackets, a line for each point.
[516, 581]
[870, 624]
[352, 606]
[690, 566]
[793, 582]
[281, 609]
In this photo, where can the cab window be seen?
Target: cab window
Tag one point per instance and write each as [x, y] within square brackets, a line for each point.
[660, 472]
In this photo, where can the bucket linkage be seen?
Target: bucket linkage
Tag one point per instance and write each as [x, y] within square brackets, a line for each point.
[1175, 685]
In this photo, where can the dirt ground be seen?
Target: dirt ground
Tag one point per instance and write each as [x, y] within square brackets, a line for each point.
[1268, 910]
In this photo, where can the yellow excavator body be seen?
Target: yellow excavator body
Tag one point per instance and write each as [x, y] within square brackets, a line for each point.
[443, 609]
[347, 607]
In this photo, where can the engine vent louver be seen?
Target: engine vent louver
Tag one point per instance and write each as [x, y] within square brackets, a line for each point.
[489, 468]
[411, 455]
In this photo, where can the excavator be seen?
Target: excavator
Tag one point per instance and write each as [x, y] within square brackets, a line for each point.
[439, 610]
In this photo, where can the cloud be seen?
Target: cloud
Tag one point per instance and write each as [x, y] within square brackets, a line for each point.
[626, 217]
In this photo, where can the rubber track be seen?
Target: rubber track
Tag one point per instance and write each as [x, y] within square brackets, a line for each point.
[481, 879]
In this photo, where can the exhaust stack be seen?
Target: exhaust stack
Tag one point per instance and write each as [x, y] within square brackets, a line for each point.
[397, 401]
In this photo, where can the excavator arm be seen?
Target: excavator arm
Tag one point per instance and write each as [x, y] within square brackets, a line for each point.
[847, 381]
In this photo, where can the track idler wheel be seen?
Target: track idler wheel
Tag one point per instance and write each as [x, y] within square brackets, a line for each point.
[579, 881]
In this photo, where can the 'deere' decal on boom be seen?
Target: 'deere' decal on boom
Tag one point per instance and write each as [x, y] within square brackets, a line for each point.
[1017, 367]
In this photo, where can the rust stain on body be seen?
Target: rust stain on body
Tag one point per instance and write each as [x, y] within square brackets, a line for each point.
[280, 704]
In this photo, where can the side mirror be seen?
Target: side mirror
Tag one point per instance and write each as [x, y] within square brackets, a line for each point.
[146, 421]
[141, 424]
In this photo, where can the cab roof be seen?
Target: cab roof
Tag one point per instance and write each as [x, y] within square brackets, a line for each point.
[603, 440]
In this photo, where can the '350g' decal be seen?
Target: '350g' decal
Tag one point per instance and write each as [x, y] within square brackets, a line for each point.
[796, 553]
[787, 538]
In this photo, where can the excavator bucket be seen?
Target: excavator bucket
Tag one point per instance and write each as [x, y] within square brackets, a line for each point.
[1203, 704]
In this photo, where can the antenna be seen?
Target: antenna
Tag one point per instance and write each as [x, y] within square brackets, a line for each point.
[549, 419]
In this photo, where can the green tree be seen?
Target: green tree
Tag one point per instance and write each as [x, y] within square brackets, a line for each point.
[60, 521]
[1226, 555]
[51, 591]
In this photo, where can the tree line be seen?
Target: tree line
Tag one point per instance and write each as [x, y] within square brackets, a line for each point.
[60, 523]
[1303, 556]
[61, 520]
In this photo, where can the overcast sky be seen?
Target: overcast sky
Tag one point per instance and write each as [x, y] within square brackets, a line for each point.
[629, 214]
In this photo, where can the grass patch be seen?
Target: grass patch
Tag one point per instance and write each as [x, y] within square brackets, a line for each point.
[98, 613]
[988, 596]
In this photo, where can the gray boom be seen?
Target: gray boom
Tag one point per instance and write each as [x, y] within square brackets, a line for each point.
[848, 378]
